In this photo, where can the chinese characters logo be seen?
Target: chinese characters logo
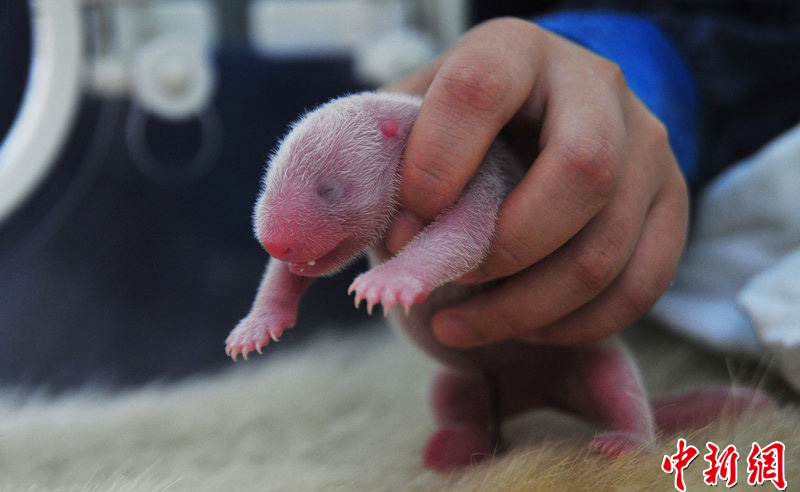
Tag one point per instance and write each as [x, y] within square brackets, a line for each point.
[763, 464]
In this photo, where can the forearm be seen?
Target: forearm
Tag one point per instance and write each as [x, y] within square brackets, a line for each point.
[279, 287]
[274, 310]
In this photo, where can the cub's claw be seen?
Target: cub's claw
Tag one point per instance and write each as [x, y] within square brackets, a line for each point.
[236, 348]
[254, 333]
[618, 443]
[382, 286]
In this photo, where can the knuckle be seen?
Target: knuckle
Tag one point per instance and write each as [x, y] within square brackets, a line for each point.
[639, 297]
[641, 292]
[680, 190]
[507, 254]
[611, 72]
[478, 84]
[595, 269]
[593, 164]
[659, 131]
[656, 132]
[511, 326]
[431, 179]
[513, 25]
[429, 182]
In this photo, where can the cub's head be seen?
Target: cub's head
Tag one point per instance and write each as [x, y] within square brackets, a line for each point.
[331, 187]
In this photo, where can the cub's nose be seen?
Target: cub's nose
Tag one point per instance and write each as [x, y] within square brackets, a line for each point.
[283, 250]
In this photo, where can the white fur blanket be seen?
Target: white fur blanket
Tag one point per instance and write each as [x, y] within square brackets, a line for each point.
[344, 414]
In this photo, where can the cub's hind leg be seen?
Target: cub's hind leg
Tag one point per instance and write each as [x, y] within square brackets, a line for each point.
[604, 387]
[463, 407]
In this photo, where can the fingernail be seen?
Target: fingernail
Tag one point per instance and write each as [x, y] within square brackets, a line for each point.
[453, 330]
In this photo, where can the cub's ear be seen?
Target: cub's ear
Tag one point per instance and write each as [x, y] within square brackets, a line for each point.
[389, 128]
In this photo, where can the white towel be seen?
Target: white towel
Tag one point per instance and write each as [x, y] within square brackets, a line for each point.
[738, 286]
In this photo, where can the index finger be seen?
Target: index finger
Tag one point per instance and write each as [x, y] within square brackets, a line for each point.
[583, 147]
[479, 86]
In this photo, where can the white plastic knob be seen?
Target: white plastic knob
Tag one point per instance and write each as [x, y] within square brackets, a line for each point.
[172, 78]
[391, 56]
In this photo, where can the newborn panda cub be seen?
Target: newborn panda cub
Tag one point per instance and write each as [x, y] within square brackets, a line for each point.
[329, 195]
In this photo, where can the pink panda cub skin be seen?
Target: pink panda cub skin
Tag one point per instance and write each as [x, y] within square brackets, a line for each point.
[331, 192]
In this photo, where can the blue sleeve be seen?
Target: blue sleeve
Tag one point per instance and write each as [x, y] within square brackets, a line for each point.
[653, 68]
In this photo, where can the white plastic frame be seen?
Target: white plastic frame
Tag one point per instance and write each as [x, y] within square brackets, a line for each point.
[49, 104]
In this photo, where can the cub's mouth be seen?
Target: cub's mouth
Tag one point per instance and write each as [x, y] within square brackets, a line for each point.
[328, 263]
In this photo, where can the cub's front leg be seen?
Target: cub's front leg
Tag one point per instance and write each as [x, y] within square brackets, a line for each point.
[455, 243]
[274, 310]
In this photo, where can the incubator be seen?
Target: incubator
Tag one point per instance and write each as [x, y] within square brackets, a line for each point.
[134, 134]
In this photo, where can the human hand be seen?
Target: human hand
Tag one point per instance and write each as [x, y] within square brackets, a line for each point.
[590, 238]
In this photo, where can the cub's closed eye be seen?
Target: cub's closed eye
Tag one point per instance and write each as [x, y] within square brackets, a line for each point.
[329, 190]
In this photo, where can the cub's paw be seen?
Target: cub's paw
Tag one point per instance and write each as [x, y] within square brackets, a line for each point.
[456, 447]
[618, 443]
[255, 332]
[382, 285]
